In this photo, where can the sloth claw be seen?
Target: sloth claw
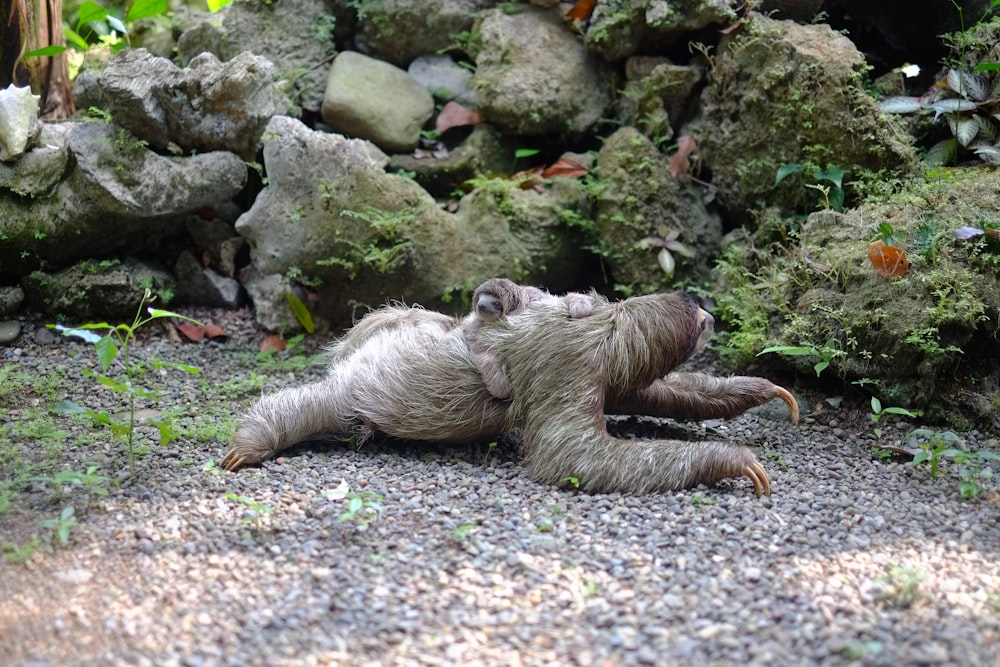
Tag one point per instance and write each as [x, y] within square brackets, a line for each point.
[761, 482]
[233, 461]
[793, 405]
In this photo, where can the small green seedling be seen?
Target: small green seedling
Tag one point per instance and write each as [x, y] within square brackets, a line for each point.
[257, 511]
[114, 346]
[878, 413]
[573, 482]
[62, 524]
[825, 354]
[901, 586]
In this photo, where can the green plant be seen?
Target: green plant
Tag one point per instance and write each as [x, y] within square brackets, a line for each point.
[833, 194]
[18, 555]
[698, 499]
[571, 482]
[825, 354]
[363, 507]
[62, 524]
[935, 446]
[112, 347]
[900, 588]
[89, 481]
[878, 413]
[255, 511]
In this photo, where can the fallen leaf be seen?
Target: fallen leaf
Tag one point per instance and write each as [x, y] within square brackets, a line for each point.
[888, 261]
[455, 115]
[581, 11]
[530, 179]
[273, 343]
[192, 332]
[565, 168]
[679, 162]
[215, 331]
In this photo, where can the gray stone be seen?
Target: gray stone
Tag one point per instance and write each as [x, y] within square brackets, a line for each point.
[824, 109]
[91, 291]
[330, 214]
[41, 168]
[9, 330]
[374, 100]
[270, 303]
[117, 195]
[11, 299]
[642, 208]
[295, 35]
[535, 77]
[19, 124]
[200, 285]
[444, 79]
[207, 106]
[400, 30]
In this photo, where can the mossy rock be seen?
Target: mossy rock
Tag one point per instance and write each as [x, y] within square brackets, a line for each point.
[927, 339]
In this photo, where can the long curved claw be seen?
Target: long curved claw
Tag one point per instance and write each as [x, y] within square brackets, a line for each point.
[761, 482]
[232, 461]
[793, 405]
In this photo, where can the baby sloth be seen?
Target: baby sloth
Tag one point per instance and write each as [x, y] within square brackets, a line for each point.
[563, 361]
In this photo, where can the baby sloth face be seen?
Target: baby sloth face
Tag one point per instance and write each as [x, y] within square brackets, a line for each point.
[706, 324]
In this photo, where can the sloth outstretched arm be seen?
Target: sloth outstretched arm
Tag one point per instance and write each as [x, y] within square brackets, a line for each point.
[699, 396]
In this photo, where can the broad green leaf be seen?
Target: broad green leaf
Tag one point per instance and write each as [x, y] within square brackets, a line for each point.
[193, 370]
[786, 170]
[45, 51]
[526, 152]
[876, 405]
[820, 367]
[301, 313]
[942, 153]
[142, 9]
[837, 199]
[72, 36]
[964, 129]
[790, 351]
[833, 174]
[921, 456]
[107, 350]
[155, 313]
[901, 411]
[986, 67]
[216, 5]
[90, 11]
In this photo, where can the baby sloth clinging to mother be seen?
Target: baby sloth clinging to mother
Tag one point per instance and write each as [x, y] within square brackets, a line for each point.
[546, 368]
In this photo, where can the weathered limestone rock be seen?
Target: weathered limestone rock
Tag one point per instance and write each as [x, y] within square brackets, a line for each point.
[400, 30]
[200, 285]
[117, 195]
[208, 106]
[295, 35]
[643, 211]
[785, 93]
[330, 214]
[110, 289]
[535, 77]
[19, 124]
[374, 100]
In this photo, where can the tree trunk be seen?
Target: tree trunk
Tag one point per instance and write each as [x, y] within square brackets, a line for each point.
[26, 25]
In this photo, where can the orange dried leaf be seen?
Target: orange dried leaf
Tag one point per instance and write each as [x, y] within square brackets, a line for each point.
[679, 162]
[455, 115]
[581, 11]
[273, 343]
[192, 332]
[215, 331]
[888, 261]
[565, 168]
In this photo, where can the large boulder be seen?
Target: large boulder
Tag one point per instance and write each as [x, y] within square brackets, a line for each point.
[374, 100]
[400, 30]
[535, 77]
[784, 93]
[207, 106]
[116, 195]
[297, 36]
[652, 228]
[332, 218]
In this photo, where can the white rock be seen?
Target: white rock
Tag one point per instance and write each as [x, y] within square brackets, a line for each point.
[19, 122]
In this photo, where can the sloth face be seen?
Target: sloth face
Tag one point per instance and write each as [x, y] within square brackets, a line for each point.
[706, 325]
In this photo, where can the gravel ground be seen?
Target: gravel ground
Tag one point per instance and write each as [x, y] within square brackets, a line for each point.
[853, 560]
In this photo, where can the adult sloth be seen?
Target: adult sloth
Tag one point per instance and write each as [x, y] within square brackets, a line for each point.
[409, 373]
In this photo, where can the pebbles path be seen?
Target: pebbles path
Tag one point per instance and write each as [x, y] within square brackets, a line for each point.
[457, 557]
